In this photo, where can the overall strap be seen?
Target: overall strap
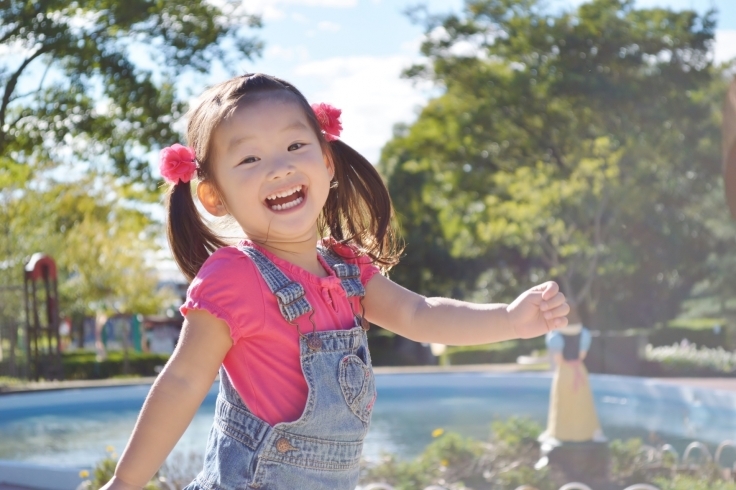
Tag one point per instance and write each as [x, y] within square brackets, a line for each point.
[289, 294]
[349, 274]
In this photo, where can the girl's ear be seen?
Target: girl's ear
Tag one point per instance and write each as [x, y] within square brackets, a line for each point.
[210, 199]
[330, 166]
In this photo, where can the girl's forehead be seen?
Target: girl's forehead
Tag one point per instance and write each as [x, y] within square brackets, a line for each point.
[264, 111]
[264, 115]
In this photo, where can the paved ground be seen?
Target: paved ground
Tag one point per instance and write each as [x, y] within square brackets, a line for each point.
[728, 384]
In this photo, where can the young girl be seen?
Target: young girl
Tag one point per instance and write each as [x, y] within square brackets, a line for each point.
[282, 315]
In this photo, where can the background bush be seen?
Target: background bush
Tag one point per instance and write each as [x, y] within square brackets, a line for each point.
[686, 359]
[500, 352]
[84, 364]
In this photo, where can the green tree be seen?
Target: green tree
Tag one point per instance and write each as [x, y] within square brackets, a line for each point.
[104, 245]
[76, 83]
[88, 89]
[575, 146]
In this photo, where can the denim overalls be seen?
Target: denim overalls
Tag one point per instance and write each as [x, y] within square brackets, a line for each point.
[322, 449]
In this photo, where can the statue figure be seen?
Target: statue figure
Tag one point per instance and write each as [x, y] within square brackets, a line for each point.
[572, 416]
[573, 441]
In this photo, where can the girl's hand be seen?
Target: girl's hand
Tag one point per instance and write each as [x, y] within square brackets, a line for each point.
[538, 310]
[116, 483]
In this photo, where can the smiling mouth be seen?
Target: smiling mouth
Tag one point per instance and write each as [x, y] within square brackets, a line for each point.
[286, 199]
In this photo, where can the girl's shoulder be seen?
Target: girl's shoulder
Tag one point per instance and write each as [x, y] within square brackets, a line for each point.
[227, 286]
[225, 261]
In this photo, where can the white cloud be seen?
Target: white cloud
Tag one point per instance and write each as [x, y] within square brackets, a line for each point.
[370, 93]
[725, 47]
[270, 10]
[297, 17]
[326, 25]
[295, 53]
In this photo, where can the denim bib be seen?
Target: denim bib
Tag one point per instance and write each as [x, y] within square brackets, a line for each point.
[322, 449]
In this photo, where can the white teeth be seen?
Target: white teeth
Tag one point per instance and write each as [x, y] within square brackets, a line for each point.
[285, 193]
[281, 207]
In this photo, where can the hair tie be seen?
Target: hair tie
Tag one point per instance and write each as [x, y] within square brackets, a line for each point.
[177, 163]
[329, 120]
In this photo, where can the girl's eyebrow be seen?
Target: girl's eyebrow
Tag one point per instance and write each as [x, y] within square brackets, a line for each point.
[290, 127]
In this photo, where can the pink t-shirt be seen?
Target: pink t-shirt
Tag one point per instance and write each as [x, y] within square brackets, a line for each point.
[263, 362]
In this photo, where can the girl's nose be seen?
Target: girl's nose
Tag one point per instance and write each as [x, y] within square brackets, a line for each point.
[280, 168]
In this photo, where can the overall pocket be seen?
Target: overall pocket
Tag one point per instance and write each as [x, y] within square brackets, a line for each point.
[358, 386]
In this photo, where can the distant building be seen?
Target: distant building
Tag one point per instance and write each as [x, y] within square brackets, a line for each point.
[161, 333]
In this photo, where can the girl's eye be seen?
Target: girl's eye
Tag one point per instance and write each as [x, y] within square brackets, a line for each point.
[295, 146]
[249, 160]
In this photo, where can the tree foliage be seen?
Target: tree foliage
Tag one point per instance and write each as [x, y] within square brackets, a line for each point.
[94, 80]
[104, 246]
[574, 146]
[88, 90]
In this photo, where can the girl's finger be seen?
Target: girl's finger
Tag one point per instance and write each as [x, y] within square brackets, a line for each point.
[560, 322]
[550, 290]
[556, 301]
[557, 312]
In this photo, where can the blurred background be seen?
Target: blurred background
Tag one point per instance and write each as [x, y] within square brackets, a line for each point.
[521, 140]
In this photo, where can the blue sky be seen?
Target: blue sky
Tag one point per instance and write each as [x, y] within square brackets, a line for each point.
[350, 53]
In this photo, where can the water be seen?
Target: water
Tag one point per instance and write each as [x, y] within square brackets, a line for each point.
[74, 427]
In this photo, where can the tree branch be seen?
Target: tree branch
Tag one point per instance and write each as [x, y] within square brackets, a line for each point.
[558, 158]
[549, 252]
[10, 33]
[597, 242]
[10, 87]
[40, 84]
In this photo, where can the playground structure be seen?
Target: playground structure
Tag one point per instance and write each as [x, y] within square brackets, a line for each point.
[33, 334]
[42, 340]
[30, 347]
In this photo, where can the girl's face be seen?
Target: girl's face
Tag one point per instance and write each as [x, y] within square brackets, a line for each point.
[270, 171]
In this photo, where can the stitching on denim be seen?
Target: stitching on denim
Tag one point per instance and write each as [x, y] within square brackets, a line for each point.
[290, 293]
[307, 413]
[280, 285]
[354, 405]
[314, 464]
[317, 440]
[349, 274]
[227, 426]
[236, 434]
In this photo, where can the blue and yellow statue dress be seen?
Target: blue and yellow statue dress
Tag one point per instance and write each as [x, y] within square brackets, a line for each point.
[572, 416]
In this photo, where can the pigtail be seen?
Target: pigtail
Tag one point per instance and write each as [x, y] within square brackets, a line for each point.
[190, 239]
[358, 208]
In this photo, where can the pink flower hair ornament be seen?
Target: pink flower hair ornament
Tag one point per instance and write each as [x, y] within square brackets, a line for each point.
[177, 163]
[329, 120]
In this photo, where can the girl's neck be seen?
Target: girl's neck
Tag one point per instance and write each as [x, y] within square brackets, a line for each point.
[301, 253]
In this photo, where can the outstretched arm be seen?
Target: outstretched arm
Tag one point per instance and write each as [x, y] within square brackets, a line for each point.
[174, 398]
[447, 321]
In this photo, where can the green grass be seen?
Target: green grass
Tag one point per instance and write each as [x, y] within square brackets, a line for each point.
[10, 381]
[697, 323]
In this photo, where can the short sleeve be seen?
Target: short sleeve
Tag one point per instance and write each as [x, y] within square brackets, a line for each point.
[555, 342]
[228, 286]
[349, 253]
[585, 339]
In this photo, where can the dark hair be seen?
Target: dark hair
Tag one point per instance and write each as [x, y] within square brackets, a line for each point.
[358, 209]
